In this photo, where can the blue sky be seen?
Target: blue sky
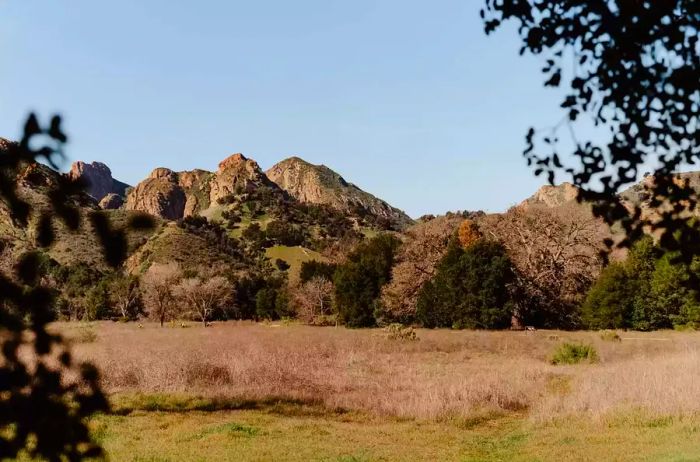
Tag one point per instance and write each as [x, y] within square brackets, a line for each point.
[407, 99]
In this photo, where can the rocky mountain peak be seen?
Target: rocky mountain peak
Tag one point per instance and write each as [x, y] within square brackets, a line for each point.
[318, 184]
[98, 179]
[233, 161]
[162, 172]
[173, 195]
[554, 196]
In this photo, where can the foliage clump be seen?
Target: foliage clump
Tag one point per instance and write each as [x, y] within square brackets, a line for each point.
[470, 289]
[574, 353]
[399, 332]
[359, 280]
[648, 291]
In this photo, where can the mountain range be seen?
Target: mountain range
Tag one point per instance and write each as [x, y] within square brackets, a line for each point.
[294, 211]
[174, 195]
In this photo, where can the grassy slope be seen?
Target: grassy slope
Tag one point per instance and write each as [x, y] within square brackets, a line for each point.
[294, 256]
[297, 434]
[173, 244]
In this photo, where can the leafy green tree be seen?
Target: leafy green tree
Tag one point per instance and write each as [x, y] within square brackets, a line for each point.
[610, 301]
[272, 303]
[470, 289]
[97, 301]
[281, 264]
[255, 236]
[284, 233]
[359, 280]
[647, 291]
[668, 294]
[641, 264]
[316, 269]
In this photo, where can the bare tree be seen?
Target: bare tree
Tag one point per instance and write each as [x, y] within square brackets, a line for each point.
[159, 282]
[125, 294]
[201, 296]
[557, 255]
[423, 247]
[313, 298]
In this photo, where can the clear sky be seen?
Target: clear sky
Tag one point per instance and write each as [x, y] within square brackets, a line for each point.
[407, 99]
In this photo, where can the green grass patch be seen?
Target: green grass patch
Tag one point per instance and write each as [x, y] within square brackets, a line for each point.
[254, 435]
[293, 256]
[226, 429]
[127, 403]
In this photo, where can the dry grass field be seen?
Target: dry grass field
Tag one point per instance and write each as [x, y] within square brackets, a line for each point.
[288, 392]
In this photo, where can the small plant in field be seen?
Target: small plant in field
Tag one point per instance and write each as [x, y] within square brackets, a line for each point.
[85, 334]
[400, 332]
[325, 320]
[610, 336]
[574, 353]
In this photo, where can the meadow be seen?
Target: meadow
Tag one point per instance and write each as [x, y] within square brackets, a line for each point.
[245, 391]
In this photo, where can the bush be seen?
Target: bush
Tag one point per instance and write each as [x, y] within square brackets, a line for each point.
[574, 353]
[325, 320]
[400, 332]
[470, 289]
[255, 236]
[610, 336]
[84, 334]
[284, 233]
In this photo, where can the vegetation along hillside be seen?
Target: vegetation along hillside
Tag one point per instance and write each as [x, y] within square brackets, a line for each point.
[300, 241]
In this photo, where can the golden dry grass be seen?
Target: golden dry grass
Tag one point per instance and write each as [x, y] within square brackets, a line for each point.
[444, 375]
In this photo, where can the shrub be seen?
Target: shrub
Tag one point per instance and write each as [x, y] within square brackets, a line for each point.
[284, 233]
[574, 353]
[400, 332]
[255, 236]
[325, 320]
[281, 264]
[84, 334]
[610, 336]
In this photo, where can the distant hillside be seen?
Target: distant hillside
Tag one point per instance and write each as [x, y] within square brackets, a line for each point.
[638, 194]
[318, 184]
[34, 181]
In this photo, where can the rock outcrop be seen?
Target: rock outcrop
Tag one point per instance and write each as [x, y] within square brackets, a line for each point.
[553, 196]
[237, 173]
[160, 195]
[111, 202]
[97, 178]
[318, 184]
[174, 195]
